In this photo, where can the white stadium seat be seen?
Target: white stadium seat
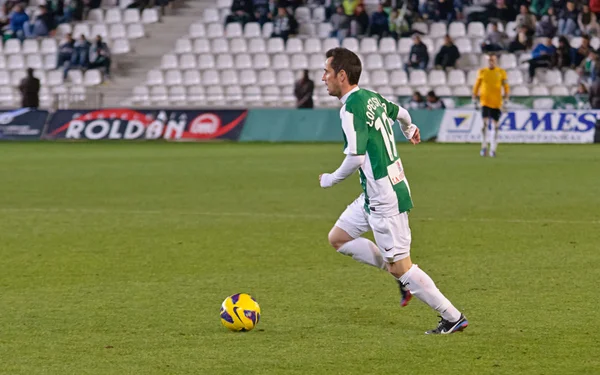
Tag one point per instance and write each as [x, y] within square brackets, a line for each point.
[177, 94]
[113, 15]
[30, 46]
[374, 61]
[238, 45]
[201, 46]
[224, 61]
[519, 91]
[457, 30]
[540, 91]
[252, 30]
[116, 31]
[92, 77]
[294, 45]
[243, 61]
[476, 30]
[379, 78]
[210, 77]
[437, 30]
[280, 61]
[232, 30]
[131, 16]
[121, 46]
[135, 31]
[48, 45]
[299, 62]
[173, 77]
[248, 77]
[211, 15]
[351, 44]
[368, 45]
[96, 15]
[559, 91]
[257, 46]
[197, 30]
[418, 77]
[219, 45]
[229, 77]
[398, 78]
[215, 30]
[456, 78]
[312, 45]
[267, 77]
[330, 43]
[12, 46]
[206, 62]
[261, 61]
[393, 62]
[437, 78]
[275, 45]
[387, 45]
[150, 15]
[153, 77]
[191, 77]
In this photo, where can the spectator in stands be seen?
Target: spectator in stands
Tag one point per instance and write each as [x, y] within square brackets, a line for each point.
[445, 11]
[81, 53]
[495, 39]
[241, 11]
[589, 67]
[595, 7]
[547, 26]
[360, 24]
[350, 6]
[284, 25]
[564, 53]
[417, 101]
[100, 56]
[594, 94]
[65, 51]
[30, 90]
[419, 56]
[448, 54]
[521, 42]
[43, 24]
[262, 12]
[399, 26]
[526, 20]
[380, 24]
[587, 21]
[434, 102]
[543, 55]
[583, 51]
[501, 11]
[567, 22]
[18, 18]
[340, 24]
[540, 7]
[303, 91]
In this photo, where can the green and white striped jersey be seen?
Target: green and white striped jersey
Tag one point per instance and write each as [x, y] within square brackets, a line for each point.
[367, 120]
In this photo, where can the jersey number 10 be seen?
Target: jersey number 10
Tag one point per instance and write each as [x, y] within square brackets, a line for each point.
[383, 124]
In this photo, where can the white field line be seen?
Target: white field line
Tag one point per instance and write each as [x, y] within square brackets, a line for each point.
[103, 211]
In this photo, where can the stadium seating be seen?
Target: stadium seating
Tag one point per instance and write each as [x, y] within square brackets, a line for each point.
[116, 25]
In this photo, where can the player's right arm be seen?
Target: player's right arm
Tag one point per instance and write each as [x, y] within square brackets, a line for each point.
[477, 85]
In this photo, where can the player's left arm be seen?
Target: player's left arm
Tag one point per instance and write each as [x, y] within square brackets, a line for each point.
[410, 130]
[356, 133]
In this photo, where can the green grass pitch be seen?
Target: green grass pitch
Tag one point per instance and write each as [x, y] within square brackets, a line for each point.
[115, 258]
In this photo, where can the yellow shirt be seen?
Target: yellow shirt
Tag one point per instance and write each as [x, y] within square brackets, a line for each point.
[489, 87]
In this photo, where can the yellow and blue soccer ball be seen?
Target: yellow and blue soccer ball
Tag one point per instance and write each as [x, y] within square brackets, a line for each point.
[240, 312]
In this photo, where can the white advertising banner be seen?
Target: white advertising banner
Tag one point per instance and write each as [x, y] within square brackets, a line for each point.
[522, 126]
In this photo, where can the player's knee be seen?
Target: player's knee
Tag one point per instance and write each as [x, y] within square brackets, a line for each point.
[400, 267]
[335, 240]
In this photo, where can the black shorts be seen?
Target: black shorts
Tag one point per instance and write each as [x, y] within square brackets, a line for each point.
[494, 113]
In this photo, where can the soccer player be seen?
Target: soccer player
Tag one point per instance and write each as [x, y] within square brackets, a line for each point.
[383, 206]
[488, 86]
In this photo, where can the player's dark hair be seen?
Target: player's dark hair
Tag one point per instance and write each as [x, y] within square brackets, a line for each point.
[346, 60]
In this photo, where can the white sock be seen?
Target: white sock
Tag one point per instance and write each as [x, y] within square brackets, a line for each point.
[484, 135]
[422, 287]
[494, 137]
[364, 251]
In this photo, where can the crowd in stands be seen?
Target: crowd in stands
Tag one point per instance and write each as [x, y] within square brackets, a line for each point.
[536, 23]
[83, 54]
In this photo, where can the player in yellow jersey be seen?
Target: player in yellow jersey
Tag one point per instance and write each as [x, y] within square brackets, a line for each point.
[488, 87]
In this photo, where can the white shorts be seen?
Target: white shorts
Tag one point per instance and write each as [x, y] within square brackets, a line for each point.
[392, 233]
